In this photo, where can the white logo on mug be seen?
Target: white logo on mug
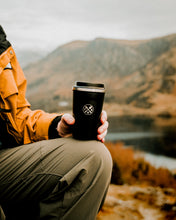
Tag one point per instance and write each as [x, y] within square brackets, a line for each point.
[88, 109]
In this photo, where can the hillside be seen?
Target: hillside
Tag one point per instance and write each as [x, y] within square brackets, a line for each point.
[138, 73]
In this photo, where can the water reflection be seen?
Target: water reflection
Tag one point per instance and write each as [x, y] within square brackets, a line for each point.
[144, 133]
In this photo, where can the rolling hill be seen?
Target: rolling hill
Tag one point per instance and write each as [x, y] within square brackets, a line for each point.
[139, 74]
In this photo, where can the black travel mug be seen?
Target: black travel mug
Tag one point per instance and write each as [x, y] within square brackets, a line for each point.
[88, 101]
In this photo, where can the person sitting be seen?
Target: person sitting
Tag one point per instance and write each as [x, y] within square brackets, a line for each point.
[44, 172]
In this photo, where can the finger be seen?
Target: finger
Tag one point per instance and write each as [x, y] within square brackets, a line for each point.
[103, 140]
[103, 127]
[102, 136]
[68, 119]
[103, 117]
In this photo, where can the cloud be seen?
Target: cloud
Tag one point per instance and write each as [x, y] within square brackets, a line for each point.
[49, 23]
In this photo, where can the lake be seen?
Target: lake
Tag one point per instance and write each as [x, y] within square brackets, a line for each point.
[143, 133]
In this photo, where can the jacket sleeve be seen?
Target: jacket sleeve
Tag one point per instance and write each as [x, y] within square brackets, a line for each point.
[33, 125]
[24, 124]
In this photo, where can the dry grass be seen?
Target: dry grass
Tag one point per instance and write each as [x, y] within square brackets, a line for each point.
[133, 170]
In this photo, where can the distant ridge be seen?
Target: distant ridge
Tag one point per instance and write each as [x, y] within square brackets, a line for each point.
[138, 73]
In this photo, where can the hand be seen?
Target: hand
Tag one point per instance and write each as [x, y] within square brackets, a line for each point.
[64, 126]
[102, 130]
[67, 120]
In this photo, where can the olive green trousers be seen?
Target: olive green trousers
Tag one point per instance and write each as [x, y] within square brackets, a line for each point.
[54, 179]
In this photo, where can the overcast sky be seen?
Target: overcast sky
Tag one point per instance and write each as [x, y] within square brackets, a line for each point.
[46, 24]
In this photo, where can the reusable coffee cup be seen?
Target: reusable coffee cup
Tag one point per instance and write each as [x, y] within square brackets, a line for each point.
[88, 101]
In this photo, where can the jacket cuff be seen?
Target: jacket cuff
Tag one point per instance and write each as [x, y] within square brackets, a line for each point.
[43, 122]
[52, 132]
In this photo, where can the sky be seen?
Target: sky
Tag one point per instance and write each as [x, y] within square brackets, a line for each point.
[47, 24]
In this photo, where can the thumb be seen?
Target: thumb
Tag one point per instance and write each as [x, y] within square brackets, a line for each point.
[64, 126]
[68, 119]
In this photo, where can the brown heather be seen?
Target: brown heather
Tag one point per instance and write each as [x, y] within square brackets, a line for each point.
[132, 169]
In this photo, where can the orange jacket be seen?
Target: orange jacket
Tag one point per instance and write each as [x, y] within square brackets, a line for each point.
[23, 124]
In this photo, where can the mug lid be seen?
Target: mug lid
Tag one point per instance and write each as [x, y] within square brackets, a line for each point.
[89, 87]
[99, 85]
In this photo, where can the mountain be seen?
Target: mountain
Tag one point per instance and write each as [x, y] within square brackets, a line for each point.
[136, 73]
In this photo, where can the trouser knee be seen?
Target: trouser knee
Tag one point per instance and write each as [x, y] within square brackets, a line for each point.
[75, 151]
[102, 160]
